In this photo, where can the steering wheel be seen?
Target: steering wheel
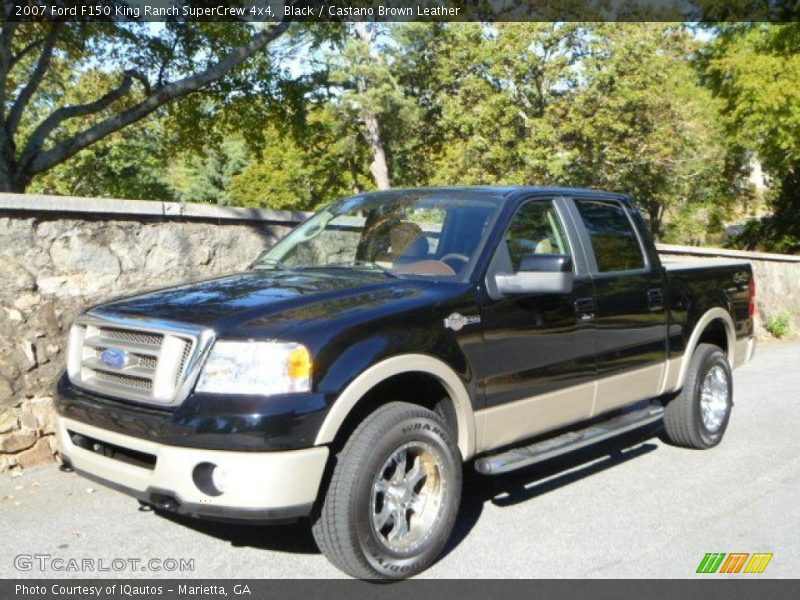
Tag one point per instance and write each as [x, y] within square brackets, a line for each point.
[456, 256]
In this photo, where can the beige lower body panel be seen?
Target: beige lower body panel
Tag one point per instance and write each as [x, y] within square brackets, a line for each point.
[508, 423]
[258, 480]
[515, 421]
[618, 390]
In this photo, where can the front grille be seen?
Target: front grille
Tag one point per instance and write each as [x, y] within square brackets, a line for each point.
[187, 352]
[130, 363]
[139, 383]
[137, 337]
[150, 362]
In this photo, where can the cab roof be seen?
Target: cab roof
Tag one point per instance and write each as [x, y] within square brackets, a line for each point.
[508, 192]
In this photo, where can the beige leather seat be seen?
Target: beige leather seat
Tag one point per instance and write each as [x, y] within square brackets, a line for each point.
[544, 247]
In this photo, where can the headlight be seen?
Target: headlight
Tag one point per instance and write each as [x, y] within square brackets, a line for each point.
[256, 368]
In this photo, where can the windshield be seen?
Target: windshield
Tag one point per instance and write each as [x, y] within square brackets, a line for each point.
[405, 234]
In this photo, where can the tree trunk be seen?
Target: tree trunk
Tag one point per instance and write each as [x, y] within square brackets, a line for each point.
[9, 183]
[656, 218]
[379, 168]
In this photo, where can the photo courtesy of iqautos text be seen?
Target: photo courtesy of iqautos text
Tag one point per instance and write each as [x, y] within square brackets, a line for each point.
[446, 295]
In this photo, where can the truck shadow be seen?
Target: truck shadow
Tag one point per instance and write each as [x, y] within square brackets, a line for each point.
[502, 491]
[529, 483]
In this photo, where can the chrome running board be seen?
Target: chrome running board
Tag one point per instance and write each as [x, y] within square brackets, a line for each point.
[523, 456]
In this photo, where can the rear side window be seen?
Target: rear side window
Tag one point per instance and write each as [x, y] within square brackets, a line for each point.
[613, 238]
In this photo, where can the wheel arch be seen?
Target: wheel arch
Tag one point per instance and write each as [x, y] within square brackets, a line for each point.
[404, 364]
[714, 323]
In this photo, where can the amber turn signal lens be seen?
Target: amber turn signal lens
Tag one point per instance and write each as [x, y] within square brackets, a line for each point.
[299, 364]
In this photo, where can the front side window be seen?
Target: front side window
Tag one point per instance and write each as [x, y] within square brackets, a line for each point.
[405, 234]
[614, 241]
[536, 229]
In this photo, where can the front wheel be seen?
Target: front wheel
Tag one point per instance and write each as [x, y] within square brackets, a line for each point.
[698, 416]
[393, 497]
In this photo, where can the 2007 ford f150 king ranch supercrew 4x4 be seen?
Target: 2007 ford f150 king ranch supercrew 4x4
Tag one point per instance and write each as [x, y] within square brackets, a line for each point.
[387, 340]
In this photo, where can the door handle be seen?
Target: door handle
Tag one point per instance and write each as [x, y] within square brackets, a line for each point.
[584, 308]
[655, 299]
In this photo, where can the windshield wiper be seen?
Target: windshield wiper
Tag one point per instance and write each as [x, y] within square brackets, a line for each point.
[274, 262]
[359, 263]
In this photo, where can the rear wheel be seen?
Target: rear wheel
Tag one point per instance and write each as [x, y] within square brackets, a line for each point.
[394, 495]
[698, 416]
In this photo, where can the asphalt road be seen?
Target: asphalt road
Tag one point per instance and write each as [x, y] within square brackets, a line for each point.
[632, 508]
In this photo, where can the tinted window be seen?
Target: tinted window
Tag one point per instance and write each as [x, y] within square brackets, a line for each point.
[536, 229]
[614, 241]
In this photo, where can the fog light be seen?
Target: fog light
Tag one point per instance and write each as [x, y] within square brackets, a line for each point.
[221, 479]
[206, 477]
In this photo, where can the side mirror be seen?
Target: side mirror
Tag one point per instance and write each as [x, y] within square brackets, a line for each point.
[538, 274]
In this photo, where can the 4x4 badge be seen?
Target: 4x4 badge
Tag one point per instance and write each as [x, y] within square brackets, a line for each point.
[741, 277]
[457, 321]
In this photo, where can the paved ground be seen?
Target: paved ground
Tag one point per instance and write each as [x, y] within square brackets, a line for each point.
[634, 508]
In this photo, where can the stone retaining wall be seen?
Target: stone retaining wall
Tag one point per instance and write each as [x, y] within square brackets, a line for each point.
[59, 255]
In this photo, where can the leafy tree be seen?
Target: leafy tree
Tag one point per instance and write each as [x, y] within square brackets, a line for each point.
[754, 68]
[616, 106]
[304, 173]
[130, 163]
[367, 95]
[208, 177]
[148, 67]
[498, 105]
[642, 123]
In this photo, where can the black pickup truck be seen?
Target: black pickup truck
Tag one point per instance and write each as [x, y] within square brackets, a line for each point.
[350, 373]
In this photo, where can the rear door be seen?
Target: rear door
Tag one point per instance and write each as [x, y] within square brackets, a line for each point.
[630, 308]
[539, 350]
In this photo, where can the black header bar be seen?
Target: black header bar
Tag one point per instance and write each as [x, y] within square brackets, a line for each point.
[400, 10]
[441, 589]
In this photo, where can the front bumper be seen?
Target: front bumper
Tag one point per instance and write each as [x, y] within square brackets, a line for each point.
[263, 486]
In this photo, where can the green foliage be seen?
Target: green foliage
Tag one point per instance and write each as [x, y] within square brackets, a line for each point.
[490, 93]
[66, 86]
[293, 175]
[208, 177]
[649, 109]
[129, 164]
[754, 68]
[644, 125]
[570, 104]
[778, 326]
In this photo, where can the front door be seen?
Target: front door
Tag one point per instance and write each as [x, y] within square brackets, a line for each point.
[538, 368]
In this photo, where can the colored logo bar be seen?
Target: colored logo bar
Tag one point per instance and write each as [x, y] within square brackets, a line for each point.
[734, 562]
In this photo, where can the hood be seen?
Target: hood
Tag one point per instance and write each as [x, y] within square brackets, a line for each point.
[264, 302]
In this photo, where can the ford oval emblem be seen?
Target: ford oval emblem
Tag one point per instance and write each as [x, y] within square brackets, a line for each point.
[114, 358]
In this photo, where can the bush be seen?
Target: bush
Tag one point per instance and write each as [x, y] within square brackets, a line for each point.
[778, 326]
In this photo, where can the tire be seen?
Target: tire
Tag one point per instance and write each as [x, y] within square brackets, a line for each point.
[709, 376]
[370, 501]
